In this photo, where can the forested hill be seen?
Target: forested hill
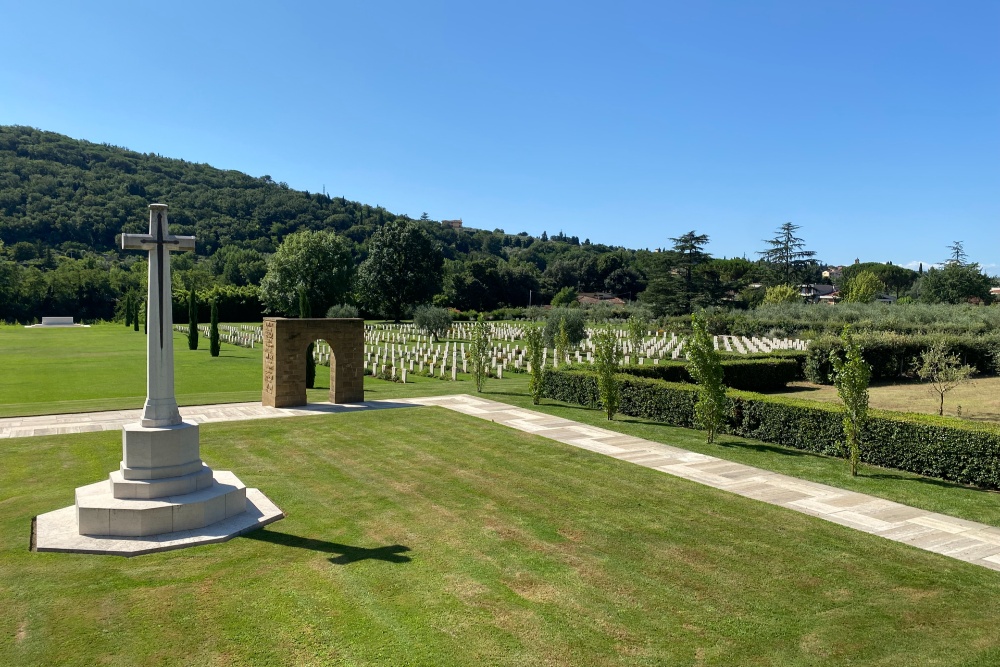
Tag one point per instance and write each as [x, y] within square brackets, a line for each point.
[66, 193]
[63, 201]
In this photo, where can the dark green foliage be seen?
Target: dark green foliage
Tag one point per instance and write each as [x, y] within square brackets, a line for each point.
[192, 320]
[213, 332]
[762, 375]
[956, 282]
[939, 447]
[893, 356]
[403, 269]
[318, 262]
[572, 320]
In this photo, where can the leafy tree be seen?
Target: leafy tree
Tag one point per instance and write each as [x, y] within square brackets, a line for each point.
[565, 298]
[607, 363]
[403, 268]
[318, 262]
[305, 310]
[192, 320]
[851, 377]
[571, 320]
[213, 331]
[705, 366]
[943, 371]
[895, 278]
[786, 253]
[534, 341]
[480, 353]
[781, 294]
[864, 287]
[636, 328]
[955, 283]
[435, 321]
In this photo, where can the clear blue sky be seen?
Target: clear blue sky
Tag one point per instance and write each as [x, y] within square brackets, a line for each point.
[875, 125]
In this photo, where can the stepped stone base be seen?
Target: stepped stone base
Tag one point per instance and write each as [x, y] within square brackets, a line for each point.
[59, 531]
[99, 512]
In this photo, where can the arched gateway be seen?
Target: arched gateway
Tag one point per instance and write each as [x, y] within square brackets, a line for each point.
[286, 342]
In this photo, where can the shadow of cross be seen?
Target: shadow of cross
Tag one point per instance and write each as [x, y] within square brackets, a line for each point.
[348, 553]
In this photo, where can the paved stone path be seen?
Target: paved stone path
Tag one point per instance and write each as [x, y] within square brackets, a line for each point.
[113, 420]
[957, 538]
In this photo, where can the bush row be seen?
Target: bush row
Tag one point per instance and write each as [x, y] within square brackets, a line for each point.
[756, 374]
[940, 447]
[892, 356]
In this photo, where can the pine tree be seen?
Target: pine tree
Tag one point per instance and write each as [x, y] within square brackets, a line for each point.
[192, 320]
[213, 335]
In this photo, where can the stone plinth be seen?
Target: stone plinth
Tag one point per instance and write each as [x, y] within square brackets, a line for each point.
[286, 343]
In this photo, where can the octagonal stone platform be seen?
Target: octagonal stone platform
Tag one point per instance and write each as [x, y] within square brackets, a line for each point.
[58, 531]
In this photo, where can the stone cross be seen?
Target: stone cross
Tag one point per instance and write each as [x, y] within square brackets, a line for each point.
[161, 406]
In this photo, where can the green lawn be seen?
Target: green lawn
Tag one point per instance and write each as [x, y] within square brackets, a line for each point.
[47, 371]
[421, 536]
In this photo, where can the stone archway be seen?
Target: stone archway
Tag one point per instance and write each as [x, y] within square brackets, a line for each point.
[285, 344]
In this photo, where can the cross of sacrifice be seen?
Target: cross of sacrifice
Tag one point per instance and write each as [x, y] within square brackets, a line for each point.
[161, 406]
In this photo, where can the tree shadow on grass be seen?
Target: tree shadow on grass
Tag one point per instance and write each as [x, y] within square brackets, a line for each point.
[764, 449]
[348, 554]
[924, 480]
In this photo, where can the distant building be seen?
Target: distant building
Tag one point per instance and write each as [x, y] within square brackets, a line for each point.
[833, 272]
[815, 293]
[452, 224]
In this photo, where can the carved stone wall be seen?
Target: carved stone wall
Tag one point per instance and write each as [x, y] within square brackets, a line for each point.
[286, 342]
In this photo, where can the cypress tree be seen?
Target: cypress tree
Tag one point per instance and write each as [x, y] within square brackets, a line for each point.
[213, 336]
[305, 310]
[136, 304]
[127, 308]
[192, 320]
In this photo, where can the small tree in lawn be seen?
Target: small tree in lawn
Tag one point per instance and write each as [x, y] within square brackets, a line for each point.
[851, 376]
[305, 310]
[705, 367]
[127, 309]
[636, 328]
[534, 341]
[607, 362]
[213, 332]
[136, 305]
[480, 353]
[943, 370]
[435, 321]
[192, 320]
[562, 343]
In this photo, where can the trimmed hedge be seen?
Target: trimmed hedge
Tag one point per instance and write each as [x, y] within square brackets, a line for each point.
[756, 374]
[940, 447]
[892, 355]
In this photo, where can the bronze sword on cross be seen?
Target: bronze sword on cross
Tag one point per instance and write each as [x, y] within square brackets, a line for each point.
[161, 406]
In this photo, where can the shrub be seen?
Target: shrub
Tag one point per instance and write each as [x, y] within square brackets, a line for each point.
[342, 310]
[781, 294]
[893, 356]
[762, 375]
[941, 447]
